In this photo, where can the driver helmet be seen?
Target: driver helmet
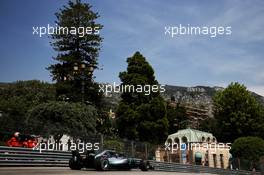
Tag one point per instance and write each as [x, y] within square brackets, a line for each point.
[16, 134]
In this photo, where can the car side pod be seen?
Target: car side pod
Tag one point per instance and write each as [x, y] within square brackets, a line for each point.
[144, 165]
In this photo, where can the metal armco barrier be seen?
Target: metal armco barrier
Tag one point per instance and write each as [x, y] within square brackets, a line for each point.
[11, 156]
[187, 168]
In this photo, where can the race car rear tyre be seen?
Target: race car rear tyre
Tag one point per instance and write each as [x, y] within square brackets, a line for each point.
[104, 165]
[74, 165]
[144, 166]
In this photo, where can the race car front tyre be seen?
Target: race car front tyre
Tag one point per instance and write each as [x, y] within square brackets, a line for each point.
[104, 165]
[144, 166]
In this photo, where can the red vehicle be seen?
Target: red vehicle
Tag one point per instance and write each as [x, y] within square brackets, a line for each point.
[26, 141]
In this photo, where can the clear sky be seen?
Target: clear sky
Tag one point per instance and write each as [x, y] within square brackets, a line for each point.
[138, 25]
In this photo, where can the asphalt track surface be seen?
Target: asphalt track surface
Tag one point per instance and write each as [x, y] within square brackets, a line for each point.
[67, 171]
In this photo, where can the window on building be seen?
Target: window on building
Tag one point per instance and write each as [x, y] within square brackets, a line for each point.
[184, 139]
[222, 160]
[215, 161]
[206, 159]
[208, 139]
[169, 141]
[214, 140]
[176, 145]
[176, 140]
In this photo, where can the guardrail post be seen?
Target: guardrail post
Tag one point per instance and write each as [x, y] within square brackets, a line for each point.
[146, 150]
[102, 141]
[132, 149]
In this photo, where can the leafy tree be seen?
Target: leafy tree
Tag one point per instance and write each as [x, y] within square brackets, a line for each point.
[237, 113]
[141, 116]
[17, 98]
[248, 148]
[210, 125]
[105, 124]
[116, 145]
[177, 118]
[76, 49]
[58, 118]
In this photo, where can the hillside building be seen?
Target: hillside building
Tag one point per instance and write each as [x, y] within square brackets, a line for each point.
[189, 146]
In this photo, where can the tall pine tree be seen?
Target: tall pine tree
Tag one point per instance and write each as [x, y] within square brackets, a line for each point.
[140, 116]
[77, 53]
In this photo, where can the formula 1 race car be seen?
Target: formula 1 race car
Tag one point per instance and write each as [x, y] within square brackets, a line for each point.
[106, 160]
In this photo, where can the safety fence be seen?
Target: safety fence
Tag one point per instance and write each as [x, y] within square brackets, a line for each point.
[187, 168]
[10, 156]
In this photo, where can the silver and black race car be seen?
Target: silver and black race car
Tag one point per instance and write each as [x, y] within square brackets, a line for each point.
[106, 160]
